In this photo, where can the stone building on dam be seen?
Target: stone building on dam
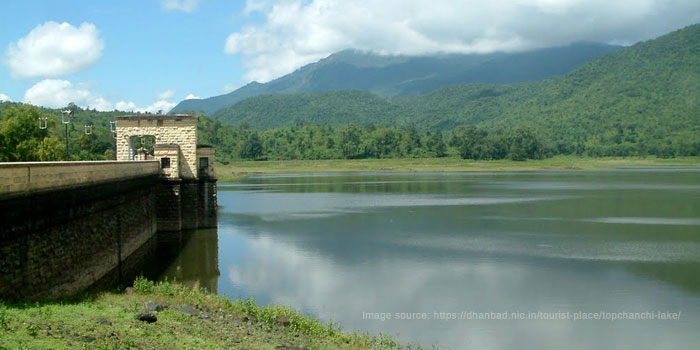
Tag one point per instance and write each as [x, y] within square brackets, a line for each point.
[188, 185]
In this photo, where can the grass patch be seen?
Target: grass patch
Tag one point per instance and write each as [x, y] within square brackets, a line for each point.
[239, 169]
[187, 319]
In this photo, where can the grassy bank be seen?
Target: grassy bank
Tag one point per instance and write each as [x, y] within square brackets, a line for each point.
[241, 168]
[185, 319]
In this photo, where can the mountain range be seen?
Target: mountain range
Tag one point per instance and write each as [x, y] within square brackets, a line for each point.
[645, 96]
[401, 75]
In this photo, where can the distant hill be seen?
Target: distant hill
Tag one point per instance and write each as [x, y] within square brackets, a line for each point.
[649, 92]
[410, 75]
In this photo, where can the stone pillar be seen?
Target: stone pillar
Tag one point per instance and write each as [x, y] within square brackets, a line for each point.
[207, 204]
[190, 203]
[169, 206]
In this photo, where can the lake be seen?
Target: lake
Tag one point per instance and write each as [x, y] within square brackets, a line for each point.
[533, 260]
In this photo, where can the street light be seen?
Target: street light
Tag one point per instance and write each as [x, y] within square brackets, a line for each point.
[43, 123]
[65, 119]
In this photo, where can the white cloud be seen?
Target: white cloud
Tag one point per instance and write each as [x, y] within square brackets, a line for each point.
[298, 32]
[52, 49]
[180, 5]
[159, 106]
[125, 106]
[192, 97]
[55, 93]
[162, 105]
[5, 98]
[101, 104]
[167, 94]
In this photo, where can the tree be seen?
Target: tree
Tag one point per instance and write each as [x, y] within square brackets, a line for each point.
[525, 145]
[22, 139]
[436, 144]
[252, 148]
[473, 144]
[411, 139]
[350, 142]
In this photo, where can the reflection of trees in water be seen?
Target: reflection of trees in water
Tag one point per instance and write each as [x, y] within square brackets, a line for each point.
[685, 275]
[189, 257]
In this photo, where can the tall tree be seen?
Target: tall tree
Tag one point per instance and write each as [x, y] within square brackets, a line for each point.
[23, 140]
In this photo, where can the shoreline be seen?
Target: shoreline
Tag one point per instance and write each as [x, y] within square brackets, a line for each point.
[240, 169]
[167, 315]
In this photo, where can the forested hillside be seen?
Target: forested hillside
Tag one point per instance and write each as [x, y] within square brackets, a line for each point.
[388, 75]
[644, 99]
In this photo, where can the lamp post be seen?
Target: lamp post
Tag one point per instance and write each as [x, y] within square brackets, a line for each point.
[65, 119]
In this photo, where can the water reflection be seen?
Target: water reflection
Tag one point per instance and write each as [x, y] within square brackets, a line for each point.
[337, 246]
[192, 257]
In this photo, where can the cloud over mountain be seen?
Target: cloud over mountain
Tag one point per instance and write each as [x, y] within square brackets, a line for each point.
[297, 32]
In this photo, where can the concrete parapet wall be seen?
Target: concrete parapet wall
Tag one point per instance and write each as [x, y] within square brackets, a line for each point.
[25, 178]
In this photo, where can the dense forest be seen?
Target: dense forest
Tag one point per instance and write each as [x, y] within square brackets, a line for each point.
[366, 141]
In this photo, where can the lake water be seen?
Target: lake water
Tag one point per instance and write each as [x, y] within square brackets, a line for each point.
[538, 248]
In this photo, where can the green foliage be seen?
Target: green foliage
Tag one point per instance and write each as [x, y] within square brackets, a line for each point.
[435, 144]
[22, 139]
[350, 142]
[252, 147]
[525, 145]
[369, 141]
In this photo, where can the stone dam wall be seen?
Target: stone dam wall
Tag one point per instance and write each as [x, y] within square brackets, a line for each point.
[67, 225]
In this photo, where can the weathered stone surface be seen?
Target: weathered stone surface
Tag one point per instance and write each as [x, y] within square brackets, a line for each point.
[189, 310]
[176, 129]
[283, 321]
[87, 338]
[60, 242]
[149, 317]
[153, 306]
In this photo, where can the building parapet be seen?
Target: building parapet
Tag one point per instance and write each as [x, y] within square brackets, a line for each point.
[23, 178]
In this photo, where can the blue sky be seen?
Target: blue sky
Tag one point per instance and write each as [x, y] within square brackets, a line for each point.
[148, 50]
[148, 55]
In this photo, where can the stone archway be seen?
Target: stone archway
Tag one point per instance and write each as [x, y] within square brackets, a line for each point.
[177, 129]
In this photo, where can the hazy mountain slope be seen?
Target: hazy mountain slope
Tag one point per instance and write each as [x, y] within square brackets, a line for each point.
[410, 75]
[647, 91]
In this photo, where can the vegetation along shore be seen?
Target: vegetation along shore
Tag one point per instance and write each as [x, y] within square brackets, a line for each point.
[167, 315]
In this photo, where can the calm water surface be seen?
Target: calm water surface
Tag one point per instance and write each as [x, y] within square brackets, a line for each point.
[338, 246]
